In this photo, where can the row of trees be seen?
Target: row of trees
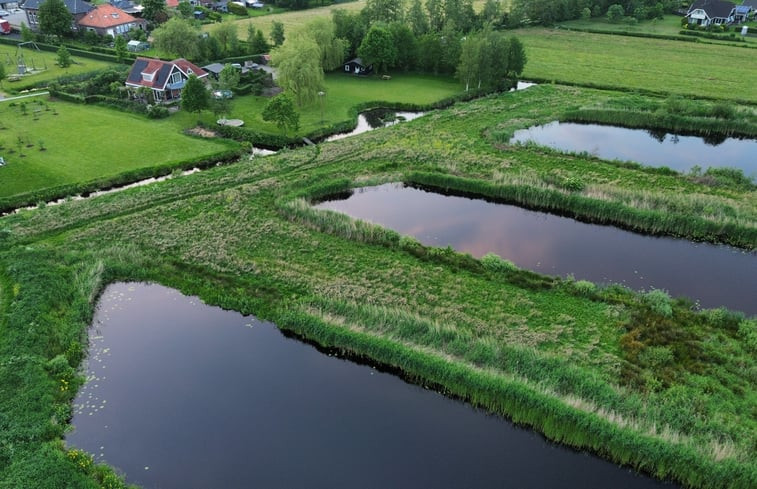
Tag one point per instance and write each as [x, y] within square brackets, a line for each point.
[182, 37]
[483, 59]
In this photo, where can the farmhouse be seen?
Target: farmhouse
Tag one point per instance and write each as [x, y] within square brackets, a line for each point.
[107, 20]
[356, 67]
[711, 12]
[744, 11]
[77, 9]
[164, 78]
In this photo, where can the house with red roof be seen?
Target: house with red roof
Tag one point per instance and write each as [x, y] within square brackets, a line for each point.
[164, 78]
[107, 20]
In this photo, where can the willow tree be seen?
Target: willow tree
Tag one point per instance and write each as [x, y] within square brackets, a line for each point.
[298, 64]
[323, 31]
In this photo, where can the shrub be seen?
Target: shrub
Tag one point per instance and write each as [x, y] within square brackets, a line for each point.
[584, 288]
[659, 301]
[157, 112]
[237, 9]
[494, 263]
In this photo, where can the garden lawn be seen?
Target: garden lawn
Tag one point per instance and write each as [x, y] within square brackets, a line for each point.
[685, 68]
[44, 65]
[84, 143]
[344, 92]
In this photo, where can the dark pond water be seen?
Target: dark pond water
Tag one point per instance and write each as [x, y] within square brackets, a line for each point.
[183, 395]
[680, 153]
[713, 275]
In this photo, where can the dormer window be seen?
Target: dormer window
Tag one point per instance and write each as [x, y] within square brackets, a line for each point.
[114, 15]
[189, 71]
[148, 76]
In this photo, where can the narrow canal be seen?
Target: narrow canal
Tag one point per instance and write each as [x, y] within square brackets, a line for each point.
[183, 395]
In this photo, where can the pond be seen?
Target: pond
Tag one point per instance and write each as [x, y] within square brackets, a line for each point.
[711, 274]
[680, 153]
[183, 395]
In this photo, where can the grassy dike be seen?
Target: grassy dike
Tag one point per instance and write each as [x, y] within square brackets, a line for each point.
[639, 379]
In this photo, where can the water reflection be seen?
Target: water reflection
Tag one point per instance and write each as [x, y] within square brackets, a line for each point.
[713, 275]
[648, 147]
[183, 395]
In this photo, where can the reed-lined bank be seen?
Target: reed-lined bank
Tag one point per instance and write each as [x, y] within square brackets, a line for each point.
[639, 378]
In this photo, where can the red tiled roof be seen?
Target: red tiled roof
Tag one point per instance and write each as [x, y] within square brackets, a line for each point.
[172, 3]
[161, 70]
[106, 15]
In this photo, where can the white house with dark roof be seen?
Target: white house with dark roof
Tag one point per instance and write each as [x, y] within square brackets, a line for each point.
[166, 79]
[77, 9]
[711, 12]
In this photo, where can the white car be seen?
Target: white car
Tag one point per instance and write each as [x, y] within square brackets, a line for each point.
[4, 13]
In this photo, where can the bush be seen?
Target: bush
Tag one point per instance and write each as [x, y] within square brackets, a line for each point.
[157, 112]
[659, 301]
[237, 9]
[584, 288]
[495, 264]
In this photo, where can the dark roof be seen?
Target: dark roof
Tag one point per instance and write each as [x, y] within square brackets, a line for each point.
[714, 8]
[750, 3]
[73, 6]
[358, 61]
[214, 68]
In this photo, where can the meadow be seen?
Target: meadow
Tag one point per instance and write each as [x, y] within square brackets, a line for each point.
[669, 25]
[642, 379]
[52, 144]
[685, 68]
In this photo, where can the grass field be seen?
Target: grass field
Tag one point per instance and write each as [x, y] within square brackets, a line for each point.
[44, 65]
[83, 143]
[670, 25]
[344, 92]
[684, 68]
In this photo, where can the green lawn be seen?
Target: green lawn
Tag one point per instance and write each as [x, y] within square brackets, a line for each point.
[342, 93]
[84, 143]
[43, 64]
[695, 69]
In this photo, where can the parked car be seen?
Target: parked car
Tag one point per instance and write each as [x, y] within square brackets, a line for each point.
[4, 13]
[218, 94]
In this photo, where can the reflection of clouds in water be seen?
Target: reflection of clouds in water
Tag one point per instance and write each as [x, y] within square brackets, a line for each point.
[560, 246]
[680, 153]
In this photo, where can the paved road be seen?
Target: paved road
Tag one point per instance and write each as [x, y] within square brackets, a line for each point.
[35, 94]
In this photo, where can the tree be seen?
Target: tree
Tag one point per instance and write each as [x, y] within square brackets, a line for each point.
[194, 96]
[228, 38]
[406, 44]
[120, 46]
[178, 37]
[384, 10]
[349, 26]
[516, 58]
[378, 48]
[615, 13]
[299, 68]
[417, 19]
[280, 110]
[2, 74]
[468, 71]
[228, 78]
[26, 33]
[333, 49]
[54, 18]
[259, 44]
[154, 11]
[64, 57]
[277, 33]
[185, 9]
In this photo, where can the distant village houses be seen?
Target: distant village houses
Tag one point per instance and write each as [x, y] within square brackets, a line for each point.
[77, 9]
[711, 12]
[107, 20]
